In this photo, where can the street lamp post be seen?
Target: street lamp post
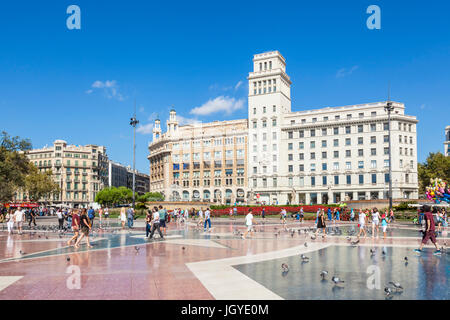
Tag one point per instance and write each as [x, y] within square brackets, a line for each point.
[389, 108]
[133, 123]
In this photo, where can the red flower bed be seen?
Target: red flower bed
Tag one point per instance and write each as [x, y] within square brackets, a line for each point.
[271, 210]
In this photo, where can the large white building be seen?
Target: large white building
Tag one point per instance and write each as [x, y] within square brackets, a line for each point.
[326, 155]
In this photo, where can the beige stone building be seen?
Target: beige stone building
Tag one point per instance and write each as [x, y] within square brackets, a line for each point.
[200, 162]
[80, 171]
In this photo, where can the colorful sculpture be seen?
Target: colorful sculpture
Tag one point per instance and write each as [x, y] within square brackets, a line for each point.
[438, 191]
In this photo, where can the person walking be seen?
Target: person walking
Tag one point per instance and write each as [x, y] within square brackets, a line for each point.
[329, 214]
[249, 222]
[263, 214]
[19, 216]
[162, 218]
[106, 215]
[86, 227]
[123, 216]
[302, 214]
[207, 220]
[352, 215]
[130, 217]
[100, 215]
[375, 222]
[32, 218]
[321, 223]
[91, 216]
[60, 216]
[391, 216]
[75, 226]
[430, 230]
[200, 218]
[362, 223]
[148, 221]
[9, 218]
[384, 225]
[155, 224]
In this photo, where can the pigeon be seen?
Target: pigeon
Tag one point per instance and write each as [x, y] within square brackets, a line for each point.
[304, 258]
[388, 291]
[396, 285]
[336, 280]
[68, 258]
[349, 239]
[406, 259]
[21, 252]
[306, 244]
[313, 237]
[355, 242]
[372, 252]
[183, 248]
[323, 274]
[285, 267]
[383, 251]
[137, 249]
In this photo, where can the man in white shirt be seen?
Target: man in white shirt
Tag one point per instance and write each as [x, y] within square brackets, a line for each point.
[207, 219]
[155, 225]
[19, 217]
[249, 223]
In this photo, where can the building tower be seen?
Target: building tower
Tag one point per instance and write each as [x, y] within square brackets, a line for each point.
[269, 98]
[172, 123]
[157, 130]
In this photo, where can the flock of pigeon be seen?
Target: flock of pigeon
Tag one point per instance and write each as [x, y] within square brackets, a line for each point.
[389, 290]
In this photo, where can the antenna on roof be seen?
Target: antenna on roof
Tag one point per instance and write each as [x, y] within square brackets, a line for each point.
[389, 91]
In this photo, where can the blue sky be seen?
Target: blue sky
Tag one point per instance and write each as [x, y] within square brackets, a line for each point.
[80, 85]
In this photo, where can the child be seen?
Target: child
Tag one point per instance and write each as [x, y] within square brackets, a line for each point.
[384, 224]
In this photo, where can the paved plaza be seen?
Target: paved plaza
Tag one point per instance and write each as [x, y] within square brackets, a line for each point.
[192, 264]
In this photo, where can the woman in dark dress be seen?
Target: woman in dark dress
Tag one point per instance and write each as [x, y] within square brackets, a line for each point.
[321, 223]
[85, 225]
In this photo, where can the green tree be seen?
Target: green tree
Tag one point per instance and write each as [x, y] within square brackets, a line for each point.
[437, 165]
[39, 185]
[14, 165]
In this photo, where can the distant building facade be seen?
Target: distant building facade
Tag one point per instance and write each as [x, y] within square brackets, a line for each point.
[122, 176]
[80, 171]
[325, 155]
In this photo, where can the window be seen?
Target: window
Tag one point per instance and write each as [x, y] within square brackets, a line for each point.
[336, 131]
[264, 108]
[301, 134]
[386, 139]
[264, 136]
[290, 146]
[361, 179]
[373, 127]
[302, 181]
[274, 122]
[386, 163]
[360, 140]
[301, 167]
[301, 156]
[386, 126]
[313, 167]
[360, 164]
[255, 125]
[360, 128]
[313, 132]
[336, 180]
[312, 144]
[347, 129]
[274, 182]
[348, 141]
[349, 179]
[324, 167]
[274, 147]
[374, 178]
[290, 135]
[324, 132]
[313, 181]
[313, 155]
[274, 135]
[335, 154]
[324, 143]
[291, 168]
[386, 151]
[336, 166]
[324, 155]
[373, 152]
[348, 165]
[373, 164]
[373, 113]
[324, 180]
[274, 108]
[301, 145]
[361, 115]
[264, 124]
[290, 157]
[348, 153]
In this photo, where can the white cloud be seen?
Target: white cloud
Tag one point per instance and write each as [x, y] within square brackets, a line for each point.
[238, 85]
[187, 121]
[110, 89]
[145, 129]
[220, 104]
[346, 72]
